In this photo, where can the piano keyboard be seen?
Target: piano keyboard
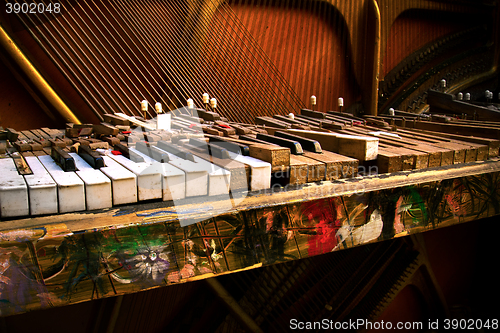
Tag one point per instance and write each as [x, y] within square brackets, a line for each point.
[169, 165]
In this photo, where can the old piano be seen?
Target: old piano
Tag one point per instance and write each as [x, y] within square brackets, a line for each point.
[235, 145]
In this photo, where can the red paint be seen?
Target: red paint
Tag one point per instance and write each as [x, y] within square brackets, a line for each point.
[319, 214]
[398, 225]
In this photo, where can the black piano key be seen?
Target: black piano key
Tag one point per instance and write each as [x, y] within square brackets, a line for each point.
[345, 115]
[231, 146]
[152, 151]
[210, 148]
[307, 144]
[200, 144]
[133, 156]
[252, 139]
[93, 158]
[196, 148]
[63, 158]
[207, 115]
[295, 147]
[217, 149]
[313, 114]
[175, 150]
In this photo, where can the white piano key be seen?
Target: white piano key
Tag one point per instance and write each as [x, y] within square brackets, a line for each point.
[13, 190]
[123, 182]
[196, 175]
[173, 180]
[260, 171]
[219, 179]
[148, 180]
[42, 188]
[70, 188]
[97, 184]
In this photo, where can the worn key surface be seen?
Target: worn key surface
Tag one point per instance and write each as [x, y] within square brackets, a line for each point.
[70, 188]
[97, 184]
[42, 188]
[123, 182]
[173, 182]
[13, 190]
[148, 179]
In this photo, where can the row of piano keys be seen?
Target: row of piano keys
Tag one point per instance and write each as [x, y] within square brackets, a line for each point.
[61, 181]
[183, 163]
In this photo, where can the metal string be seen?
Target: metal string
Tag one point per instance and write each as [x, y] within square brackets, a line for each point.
[126, 79]
[162, 63]
[104, 80]
[76, 56]
[67, 70]
[262, 55]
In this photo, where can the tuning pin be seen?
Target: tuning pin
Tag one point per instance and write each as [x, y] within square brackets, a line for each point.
[443, 83]
[313, 101]
[144, 107]
[460, 96]
[340, 103]
[467, 97]
[205, 98]
[391, 112]
[213, 103]
[487, 94]
[158, 107]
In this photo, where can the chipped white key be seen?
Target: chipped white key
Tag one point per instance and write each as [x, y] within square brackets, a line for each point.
[97, 184]
[123, 182]
[148, 179]
[42, 188]
[70, 188]
[13, 190]
[173, 179]
[196, 175]
[260, 171]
